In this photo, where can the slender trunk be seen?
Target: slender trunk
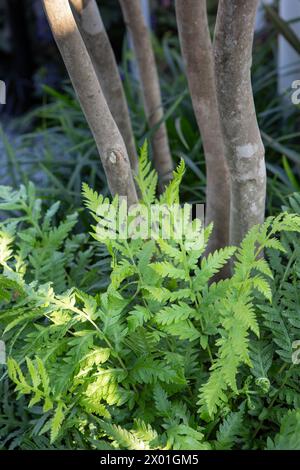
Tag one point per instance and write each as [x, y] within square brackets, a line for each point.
[198, 56]
[108, 139]
[90, 24]
[260, 21]
[135, 22]
[243, 144]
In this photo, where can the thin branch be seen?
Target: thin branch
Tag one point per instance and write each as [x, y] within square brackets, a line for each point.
[198, 56]
[136, 25]
[244, 148]
[107, 136]
[90, 24]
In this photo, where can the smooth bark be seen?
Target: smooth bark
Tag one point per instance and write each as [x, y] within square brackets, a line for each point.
[136, 25]
[243, 145]
[108, 139]
[90, 24]
[198, 57]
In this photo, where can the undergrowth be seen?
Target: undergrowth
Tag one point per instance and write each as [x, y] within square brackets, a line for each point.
[158, 356]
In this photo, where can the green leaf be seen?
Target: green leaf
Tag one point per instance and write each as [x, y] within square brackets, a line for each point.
[211, 265]
[171, 194]
[146, 178]
[175, 313]
[230, 429]
[212, 394]
[56, 422]
[288, 437]
[166, 269]
[261, 355]
[34, 374]
[184, 329]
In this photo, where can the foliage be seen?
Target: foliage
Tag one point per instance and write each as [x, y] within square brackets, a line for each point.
[164, 357]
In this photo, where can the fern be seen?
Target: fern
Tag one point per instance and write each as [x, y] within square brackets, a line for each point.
[123, 438]
[146, 177]
[56, 422]
[230, 430]
[130, 343]
[261, 355]
[289, 436]
[171, 194]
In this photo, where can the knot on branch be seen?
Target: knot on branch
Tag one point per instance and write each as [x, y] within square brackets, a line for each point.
[115, 155]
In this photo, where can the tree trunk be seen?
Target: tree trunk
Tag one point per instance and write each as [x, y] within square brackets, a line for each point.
[198, 56]
[135, 22]
[90, 24]
[243, 145]
[108, 139]
[288, 57]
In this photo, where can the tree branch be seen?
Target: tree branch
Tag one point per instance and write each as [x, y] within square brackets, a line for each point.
[91, 27]
[108, 139]
[135, 22]
[243, 145]
[198, 56]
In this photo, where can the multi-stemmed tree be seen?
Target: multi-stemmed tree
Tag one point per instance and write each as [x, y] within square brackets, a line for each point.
[219, 78]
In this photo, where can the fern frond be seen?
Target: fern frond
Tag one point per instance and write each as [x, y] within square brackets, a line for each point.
[230, 429]
[92, 199]
[212, 265]
[56, 422]
[163, 405]
[212, 394]
[146, 177]
[171, 193]
[175, 313]
[149, 371]
[166, 269]
[261, 355]
[122, 438]
[289, 436]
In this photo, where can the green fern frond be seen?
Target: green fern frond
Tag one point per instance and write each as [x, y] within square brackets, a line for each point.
[211, 265]
[230, 430]
[146, 177]
[263, 287]
[92, 199]
[166, 269]
[149, 371]
[289, 436]
[56, 422]
[122, 438]
[212, 395]
[171, 193]
[175, 313]
[162, 403]
[261, 355]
